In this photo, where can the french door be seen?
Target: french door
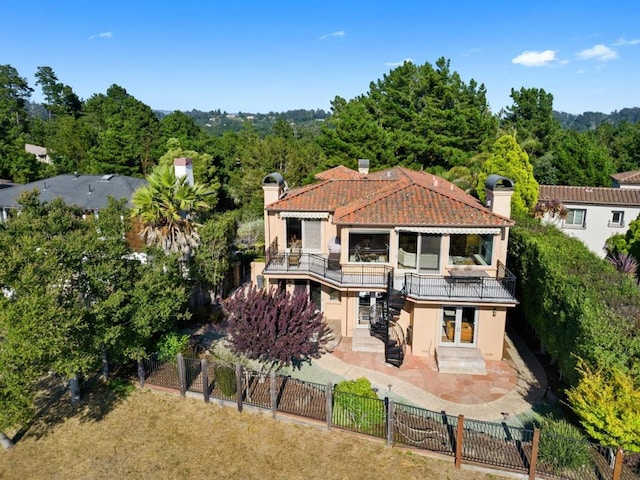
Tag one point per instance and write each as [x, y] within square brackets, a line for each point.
[458, 326]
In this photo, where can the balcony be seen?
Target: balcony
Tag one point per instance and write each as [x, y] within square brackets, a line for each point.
[331, 271]
[462, 285]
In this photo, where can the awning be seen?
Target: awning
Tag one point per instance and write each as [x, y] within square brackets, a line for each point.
[451, 230]
[308, 215]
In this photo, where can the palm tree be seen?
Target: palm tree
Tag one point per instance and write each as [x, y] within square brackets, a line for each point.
[168, 207]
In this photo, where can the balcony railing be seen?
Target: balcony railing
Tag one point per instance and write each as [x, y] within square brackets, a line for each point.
[472, 285]
[363, 274]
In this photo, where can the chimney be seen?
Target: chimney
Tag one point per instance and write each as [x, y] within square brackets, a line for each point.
[274, 187]
[499, 191]
[184, 168]
[363, 166]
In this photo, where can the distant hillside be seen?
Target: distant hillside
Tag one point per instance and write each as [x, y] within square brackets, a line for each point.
[218, 122]
[592, 120]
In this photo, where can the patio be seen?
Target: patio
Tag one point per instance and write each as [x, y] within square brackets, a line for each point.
[511, 387]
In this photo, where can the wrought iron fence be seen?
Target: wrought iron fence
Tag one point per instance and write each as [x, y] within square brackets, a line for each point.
[359, 414]
[497, 444]
[424, 429]
[301, 398]
[487, 443]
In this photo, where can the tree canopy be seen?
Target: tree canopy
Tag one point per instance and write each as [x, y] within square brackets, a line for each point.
[73, 294]
[420, 116]
[507, 158]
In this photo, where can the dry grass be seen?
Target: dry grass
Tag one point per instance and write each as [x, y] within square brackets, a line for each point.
[159, 436]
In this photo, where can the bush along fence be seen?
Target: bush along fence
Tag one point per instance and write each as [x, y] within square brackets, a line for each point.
[510, 448]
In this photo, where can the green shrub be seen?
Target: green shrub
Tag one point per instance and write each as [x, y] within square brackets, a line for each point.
[562, 445]
[225, 378]
[356, 406]
[120, 386]
[171, 345]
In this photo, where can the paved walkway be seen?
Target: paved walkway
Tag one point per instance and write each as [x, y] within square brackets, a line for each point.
[512, 386]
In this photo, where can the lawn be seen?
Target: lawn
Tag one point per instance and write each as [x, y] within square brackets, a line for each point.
[159, 436]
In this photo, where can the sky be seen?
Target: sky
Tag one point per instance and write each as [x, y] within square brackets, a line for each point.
[261, 56]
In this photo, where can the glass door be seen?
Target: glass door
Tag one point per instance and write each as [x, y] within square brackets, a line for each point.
[458, 326]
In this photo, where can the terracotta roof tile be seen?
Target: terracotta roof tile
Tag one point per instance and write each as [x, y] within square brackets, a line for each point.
[339, 173]
[632, 177]
[397, 196]
[590, 195]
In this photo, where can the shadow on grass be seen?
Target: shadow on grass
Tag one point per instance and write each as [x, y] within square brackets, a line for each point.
[53, 404]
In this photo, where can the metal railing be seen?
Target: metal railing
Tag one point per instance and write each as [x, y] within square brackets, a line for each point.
[501, 287]
[420, 286]
[329, 270]
[488, 443]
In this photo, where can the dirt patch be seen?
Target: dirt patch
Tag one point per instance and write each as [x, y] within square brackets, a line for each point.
[159, 436]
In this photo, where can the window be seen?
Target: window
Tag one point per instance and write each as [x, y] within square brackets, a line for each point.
[303, 234]
[576, 218]
[617, 219]
[411, 243]
[470, 249]
[369, 247]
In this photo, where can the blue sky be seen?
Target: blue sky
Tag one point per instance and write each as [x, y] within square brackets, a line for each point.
[261, 56]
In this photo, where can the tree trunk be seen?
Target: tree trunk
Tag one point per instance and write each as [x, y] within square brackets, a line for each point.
[74, 389]
[5, 441]
[105, 364]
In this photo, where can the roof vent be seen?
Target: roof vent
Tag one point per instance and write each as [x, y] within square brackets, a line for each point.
[106, 178]
[363, 166]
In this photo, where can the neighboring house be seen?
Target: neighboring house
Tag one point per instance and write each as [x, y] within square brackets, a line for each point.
[40, 153]
[89, 192]
[596, 213]
[403, 256]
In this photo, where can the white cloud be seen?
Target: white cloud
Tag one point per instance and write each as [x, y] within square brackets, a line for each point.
[472, 51]
[397, 64]
[622, 42]
[339, 34]
[536, 59]
[598, 52]
[101, 35]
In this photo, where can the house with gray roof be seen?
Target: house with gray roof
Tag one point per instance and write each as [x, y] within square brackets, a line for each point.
[89, 192]
[596, 213]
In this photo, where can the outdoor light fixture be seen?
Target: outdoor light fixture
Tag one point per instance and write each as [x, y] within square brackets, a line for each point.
[494, 312]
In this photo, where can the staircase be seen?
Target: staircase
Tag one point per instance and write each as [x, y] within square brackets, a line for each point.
[384, 326]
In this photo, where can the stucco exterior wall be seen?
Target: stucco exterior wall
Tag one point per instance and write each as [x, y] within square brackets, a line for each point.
[491, 333]
[598, 227]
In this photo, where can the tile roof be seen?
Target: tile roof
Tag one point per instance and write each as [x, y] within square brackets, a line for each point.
[632, 177]
[398, 196]
[590, 195]
[89, 192]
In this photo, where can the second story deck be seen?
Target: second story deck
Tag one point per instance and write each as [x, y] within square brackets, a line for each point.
[478, 286]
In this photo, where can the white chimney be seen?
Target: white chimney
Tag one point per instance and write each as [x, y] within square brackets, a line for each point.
[184, 168]
[363, 166]
[499, 191]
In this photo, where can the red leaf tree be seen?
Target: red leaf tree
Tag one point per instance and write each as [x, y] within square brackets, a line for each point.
[275, 327]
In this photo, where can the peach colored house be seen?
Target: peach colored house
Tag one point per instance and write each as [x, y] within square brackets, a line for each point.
[397, 260]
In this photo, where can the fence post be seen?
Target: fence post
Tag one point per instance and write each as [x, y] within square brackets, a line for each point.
[535, 444]
[459, 433]
[390, 415]
[141, 373]
[239, 386]
[272, 389]
[182, 375]
[204, 369]
[617, 467]
[329, 406]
